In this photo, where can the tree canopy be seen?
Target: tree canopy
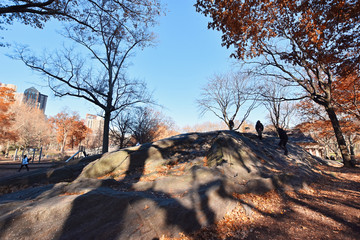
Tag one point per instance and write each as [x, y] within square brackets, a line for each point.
[319, 31]
[36, 12]
[228, 96]
[308, 43]
[70, 130]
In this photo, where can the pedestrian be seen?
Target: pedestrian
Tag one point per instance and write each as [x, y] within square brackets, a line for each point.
[259, 129]
[25, 163]
[283, 139]
[231, 124]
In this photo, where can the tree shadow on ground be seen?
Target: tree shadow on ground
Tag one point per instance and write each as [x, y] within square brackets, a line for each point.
[119, 204]
[104, 212]
[107, 214]
[331, 211]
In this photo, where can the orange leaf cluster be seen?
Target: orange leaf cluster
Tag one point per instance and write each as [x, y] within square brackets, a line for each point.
[324, 31]
[7, 118]
[346, 94]
[70, 130]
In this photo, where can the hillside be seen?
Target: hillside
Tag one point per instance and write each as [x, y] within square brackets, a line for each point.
[181, 186]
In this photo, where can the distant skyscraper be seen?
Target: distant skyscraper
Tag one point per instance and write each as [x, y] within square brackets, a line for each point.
[35, 99]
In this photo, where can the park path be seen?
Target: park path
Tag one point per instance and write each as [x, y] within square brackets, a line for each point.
[8, 167]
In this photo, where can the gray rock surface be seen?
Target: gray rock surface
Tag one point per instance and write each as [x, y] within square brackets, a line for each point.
[174, 185]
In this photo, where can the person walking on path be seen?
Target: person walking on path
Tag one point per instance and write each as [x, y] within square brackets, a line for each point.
[25, 163]
[259, 129]
[283, 139]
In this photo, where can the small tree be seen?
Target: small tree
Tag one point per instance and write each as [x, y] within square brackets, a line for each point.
[121, 129]
[144, 125]
[148, 125]
[273, 96]
[70, 130]
[31, 125]
[78, 133]
[226, 95]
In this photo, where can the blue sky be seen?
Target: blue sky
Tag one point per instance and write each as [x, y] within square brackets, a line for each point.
[185, 56]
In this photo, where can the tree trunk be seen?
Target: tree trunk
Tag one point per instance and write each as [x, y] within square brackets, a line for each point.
[352, 152]
[339, 137]
[122, 139]
[63, 144]
[105, 146]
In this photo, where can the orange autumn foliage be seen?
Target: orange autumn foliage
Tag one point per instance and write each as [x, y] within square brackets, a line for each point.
[70, 130]
[325, 31]
[7, 118]
[346, 94]
[316, 121]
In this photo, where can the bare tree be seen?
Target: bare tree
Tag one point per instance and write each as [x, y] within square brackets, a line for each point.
[149, 125]
[144, 125]
[36, 12]
[121, 128]
[273, 95]
[31, 125]
[226, 95]
[99, 77]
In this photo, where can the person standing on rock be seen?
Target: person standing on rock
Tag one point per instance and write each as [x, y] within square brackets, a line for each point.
[25, 163]
[259, 129]
[283, 139]
[231, 124]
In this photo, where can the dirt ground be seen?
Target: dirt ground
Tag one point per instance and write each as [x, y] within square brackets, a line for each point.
[327, 209]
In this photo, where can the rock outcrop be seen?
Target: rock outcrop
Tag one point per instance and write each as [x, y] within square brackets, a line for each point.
[174, 185]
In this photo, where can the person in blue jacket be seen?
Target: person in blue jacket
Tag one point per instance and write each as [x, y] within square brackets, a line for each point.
[25, 163]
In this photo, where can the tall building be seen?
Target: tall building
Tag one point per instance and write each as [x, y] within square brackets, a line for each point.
[35, 99]
[95, 123]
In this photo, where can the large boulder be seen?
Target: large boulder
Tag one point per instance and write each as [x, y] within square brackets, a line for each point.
[175, 185]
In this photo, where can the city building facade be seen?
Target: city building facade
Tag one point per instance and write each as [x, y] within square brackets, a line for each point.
[35, 99]
[95, 123]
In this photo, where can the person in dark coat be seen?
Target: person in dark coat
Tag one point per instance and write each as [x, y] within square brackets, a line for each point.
[259, 129]
[231, 124]
[283, 139]
[25, 163]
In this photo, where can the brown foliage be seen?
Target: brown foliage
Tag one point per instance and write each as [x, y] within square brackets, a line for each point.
[346, 94]
[70, 130]
[7, 118]
[323, 30]
[31, 125]
[78, 133]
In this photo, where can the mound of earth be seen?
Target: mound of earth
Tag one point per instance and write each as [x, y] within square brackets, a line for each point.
[175, 185]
